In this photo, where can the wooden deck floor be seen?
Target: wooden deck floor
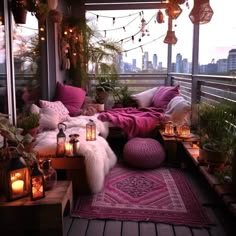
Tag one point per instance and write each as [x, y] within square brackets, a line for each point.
[224, 223]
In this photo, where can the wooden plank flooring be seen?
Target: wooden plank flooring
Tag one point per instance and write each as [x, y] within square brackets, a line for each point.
[224, 224]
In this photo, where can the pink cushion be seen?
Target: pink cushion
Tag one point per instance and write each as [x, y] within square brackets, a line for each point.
[57, 107]
[143, 153]
[164, 95]
[72, 97]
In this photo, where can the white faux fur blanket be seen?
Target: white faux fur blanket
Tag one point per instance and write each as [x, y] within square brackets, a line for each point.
[99, 157]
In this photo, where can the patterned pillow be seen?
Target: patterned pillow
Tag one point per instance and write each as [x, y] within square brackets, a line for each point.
[72, 97]
[57, 107]
[144, 99]
[163, 96]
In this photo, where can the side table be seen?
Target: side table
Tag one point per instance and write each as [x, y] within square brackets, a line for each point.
[43, 217]
[75, 171]
[171, 145]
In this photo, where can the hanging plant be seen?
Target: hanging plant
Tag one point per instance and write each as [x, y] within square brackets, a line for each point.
[18, 10]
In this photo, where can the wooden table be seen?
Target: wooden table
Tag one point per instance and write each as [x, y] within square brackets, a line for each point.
[75, 171]
[43, 217]
[171, 143]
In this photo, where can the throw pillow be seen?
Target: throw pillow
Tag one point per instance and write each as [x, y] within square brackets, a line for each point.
[72, 97]
[57, 107]
[144, 99]
[49, 119]
[34, 109]
[163, 96]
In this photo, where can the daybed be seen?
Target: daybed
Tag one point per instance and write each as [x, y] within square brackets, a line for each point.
[154, 106]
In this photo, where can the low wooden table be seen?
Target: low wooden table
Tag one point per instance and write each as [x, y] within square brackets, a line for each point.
[42, 217]
[75, 171]
[171, 143]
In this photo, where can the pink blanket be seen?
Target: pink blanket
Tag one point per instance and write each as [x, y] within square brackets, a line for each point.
[134, 122]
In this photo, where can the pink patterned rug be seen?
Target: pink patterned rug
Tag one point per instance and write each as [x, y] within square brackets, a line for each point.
[160, 195]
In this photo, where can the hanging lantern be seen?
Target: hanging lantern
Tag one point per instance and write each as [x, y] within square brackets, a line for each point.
[170, 37]
[169, 128]
[173, 11]
[160, 17]
[61, 140]
[201, 12]
[17, 177]
[90, 131]
[37, 187]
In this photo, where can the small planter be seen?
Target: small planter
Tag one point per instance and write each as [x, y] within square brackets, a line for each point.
[215, 159]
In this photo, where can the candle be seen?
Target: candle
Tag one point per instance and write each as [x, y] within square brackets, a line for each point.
[69, 149]
[18, 187]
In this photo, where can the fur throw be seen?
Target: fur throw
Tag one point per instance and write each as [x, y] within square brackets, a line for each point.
[99, 157]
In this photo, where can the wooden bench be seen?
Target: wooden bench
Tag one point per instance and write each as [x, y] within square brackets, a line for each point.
[43, 217]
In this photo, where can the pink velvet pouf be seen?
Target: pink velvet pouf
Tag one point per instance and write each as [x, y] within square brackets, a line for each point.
[143, 153]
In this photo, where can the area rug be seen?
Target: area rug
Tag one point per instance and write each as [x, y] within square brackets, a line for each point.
[160, 195]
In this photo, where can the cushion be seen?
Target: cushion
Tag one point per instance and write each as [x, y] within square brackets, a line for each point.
[178, 110]
[163, 95]
[49, 119]
[143, 153]
[57, 107]
[34, 109]
[72, 97]
[144, 99]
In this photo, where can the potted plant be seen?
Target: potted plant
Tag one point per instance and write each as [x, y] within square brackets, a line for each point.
[14, 137]
[30, 124]
[217, 132]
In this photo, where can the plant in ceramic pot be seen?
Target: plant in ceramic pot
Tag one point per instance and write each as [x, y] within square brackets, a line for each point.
[217, 132]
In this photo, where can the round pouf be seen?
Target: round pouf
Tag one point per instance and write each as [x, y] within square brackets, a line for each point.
[145, 153]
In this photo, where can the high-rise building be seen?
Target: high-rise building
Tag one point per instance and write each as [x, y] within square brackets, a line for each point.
[222, 65]
[232, 60]
[154, 63]
[179, 63]
[145, 61]
[134, 64]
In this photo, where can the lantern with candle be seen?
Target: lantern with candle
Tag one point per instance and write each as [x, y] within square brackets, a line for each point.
[74, 142]
[184, 130]
[90, 131]
[37, 187]
[169, 128]
[17, 177]
[61, 140]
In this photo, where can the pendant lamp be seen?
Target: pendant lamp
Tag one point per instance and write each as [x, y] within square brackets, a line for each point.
[170, 37]
[201, 12]
[173, 10]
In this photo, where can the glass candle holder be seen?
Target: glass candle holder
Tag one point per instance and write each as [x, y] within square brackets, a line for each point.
[169, 128]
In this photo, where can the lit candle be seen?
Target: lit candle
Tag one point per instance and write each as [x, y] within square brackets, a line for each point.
[69, 149]
[169, 128]
[18, 187]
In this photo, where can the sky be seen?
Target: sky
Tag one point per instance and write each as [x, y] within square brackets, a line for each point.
[218, 37]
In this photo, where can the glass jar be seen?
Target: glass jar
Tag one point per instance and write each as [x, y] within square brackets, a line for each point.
[50, 174]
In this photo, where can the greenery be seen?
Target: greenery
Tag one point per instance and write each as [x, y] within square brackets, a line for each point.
[122, 96]
[217, 126]
[29, 121]
[16, 139]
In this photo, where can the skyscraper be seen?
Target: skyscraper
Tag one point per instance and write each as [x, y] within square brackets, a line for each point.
[232, 60]
[154, 62]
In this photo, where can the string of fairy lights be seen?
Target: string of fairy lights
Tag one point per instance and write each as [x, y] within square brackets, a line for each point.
[140, 33]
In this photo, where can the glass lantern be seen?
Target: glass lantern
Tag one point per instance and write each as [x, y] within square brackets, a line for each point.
[169, 128]
[90, 131]
[61, 140]
[74, 142]
[17, 177]
[37, 187]
[184, 131]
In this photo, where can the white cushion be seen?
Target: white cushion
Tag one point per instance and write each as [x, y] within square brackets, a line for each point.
[34, 109]
[144, 98]
[49, 119]
[178, 110]
[57, 107]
